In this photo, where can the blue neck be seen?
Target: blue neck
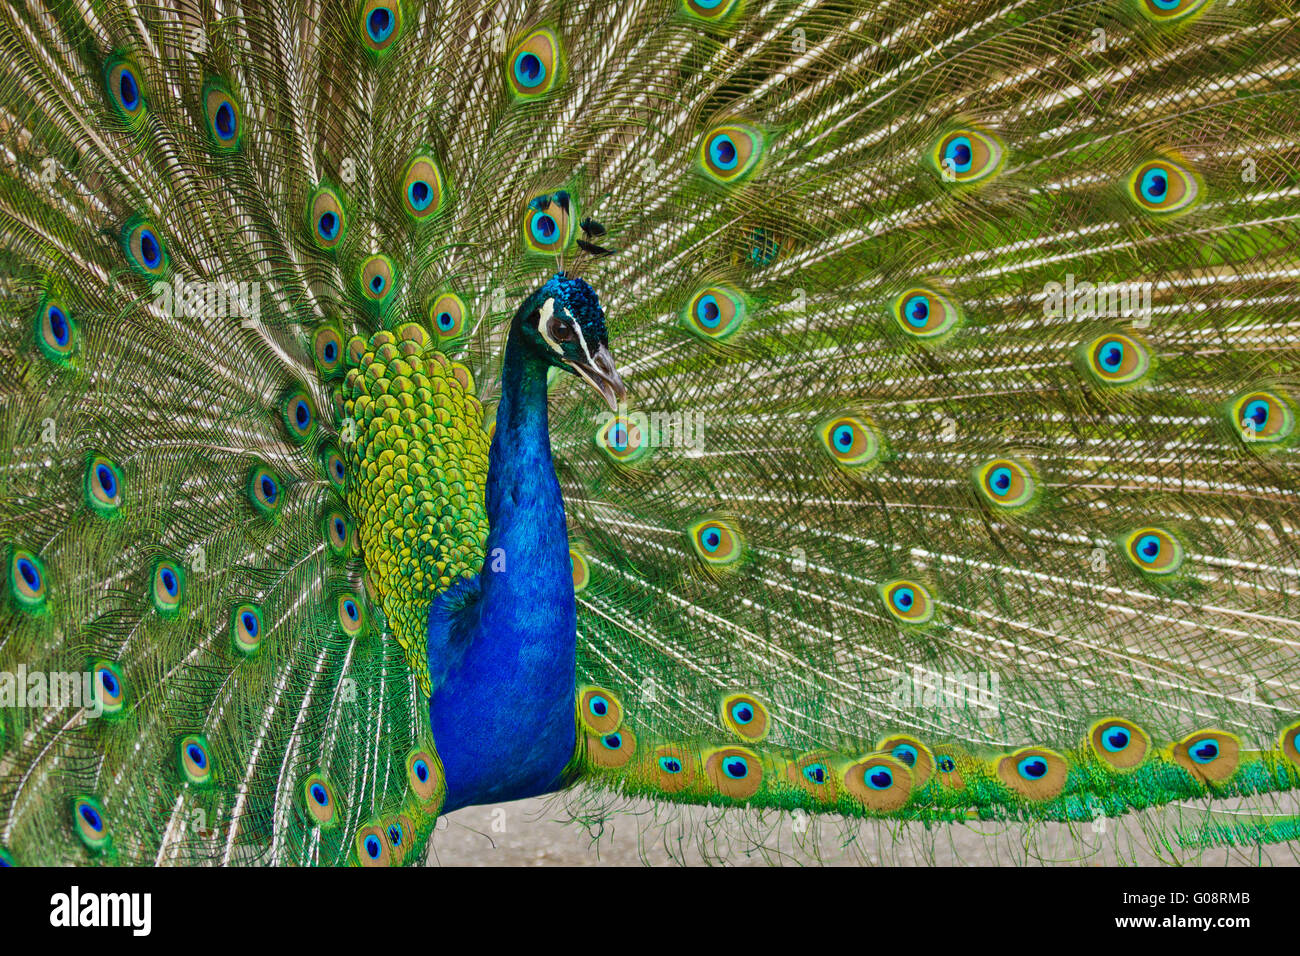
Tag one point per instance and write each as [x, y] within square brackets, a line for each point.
[503, 718]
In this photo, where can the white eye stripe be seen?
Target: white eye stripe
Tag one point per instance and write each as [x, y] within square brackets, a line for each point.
[543, 326]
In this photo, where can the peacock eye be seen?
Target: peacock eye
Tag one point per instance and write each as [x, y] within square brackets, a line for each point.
[561, 331]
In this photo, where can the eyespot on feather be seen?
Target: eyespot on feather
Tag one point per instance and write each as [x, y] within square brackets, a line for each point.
[967, 155]
[714, 313]
[194, 760]
[717, 542]
[1119, 743]
[731, 152]
[224, 119]
[673, 768]
[321, 803]
[815, 774]
[533, 66]
[1115, 359]
[1262, 416]
[624, 438]
[27, 581]
[1163, 187]
[145, 250]
[1035, 773]
[925, 314]
[327, 221]
[110, 688]
[1211, 756]
[90, 823]
[850, 441]
[734, 772]
[879, 782]
[57, 336]
[548, 225]
[1006, 483]
[1154, 551]
[421, 187]
[709, 9]
[122, 84]
[103, 486]
[599, 710]
[265, 490]
[380, 24]
[913, 754]
[908, 601]
[167, 590]
[745, 716]
[612, 750]
[1168, 11]
[424, 774]
[246, 628]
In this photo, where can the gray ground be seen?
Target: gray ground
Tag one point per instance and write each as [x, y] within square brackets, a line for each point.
[533, 833]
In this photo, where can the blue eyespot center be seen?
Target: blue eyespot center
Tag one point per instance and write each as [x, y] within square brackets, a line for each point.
[1148, 548]
[879, 778]
[1155, 185]
[350, 609]
[1257, 412]
[320, 795]
[31, 577]
[844, 436]
[92, 817]
[529, 69]
[1000, 481]
[419, 194]
[109, 682]
[670, 765]
[544, 227]
[946, 765]
[958, 154]
[328, 224]
[58, 325]
[372, 847]
[917, 311]
[197, 756]
[712, 540]
[107, 481]
[598, 706]
[612, 741]
[421, 771]
[128, 90]
[1112, 356]
[149, 249]
[225, 121]
[395, 835]
[1205, 751]
[737, 768]
[816, 773]
[249, 621]
[330, 352]
[723, 151]
[1115, 739]
[1032, 768]
[379, 24]
[301, 414]
[742, 713]
[904, 598]
[269, 490]
[169, 582]
[445, 321]
[906, 754]
[707, 311]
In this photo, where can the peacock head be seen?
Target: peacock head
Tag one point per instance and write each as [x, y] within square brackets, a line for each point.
[564, 323]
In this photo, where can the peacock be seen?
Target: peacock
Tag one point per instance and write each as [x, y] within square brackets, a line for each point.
[884, 410]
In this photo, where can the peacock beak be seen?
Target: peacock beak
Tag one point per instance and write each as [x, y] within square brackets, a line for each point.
[602, 376]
